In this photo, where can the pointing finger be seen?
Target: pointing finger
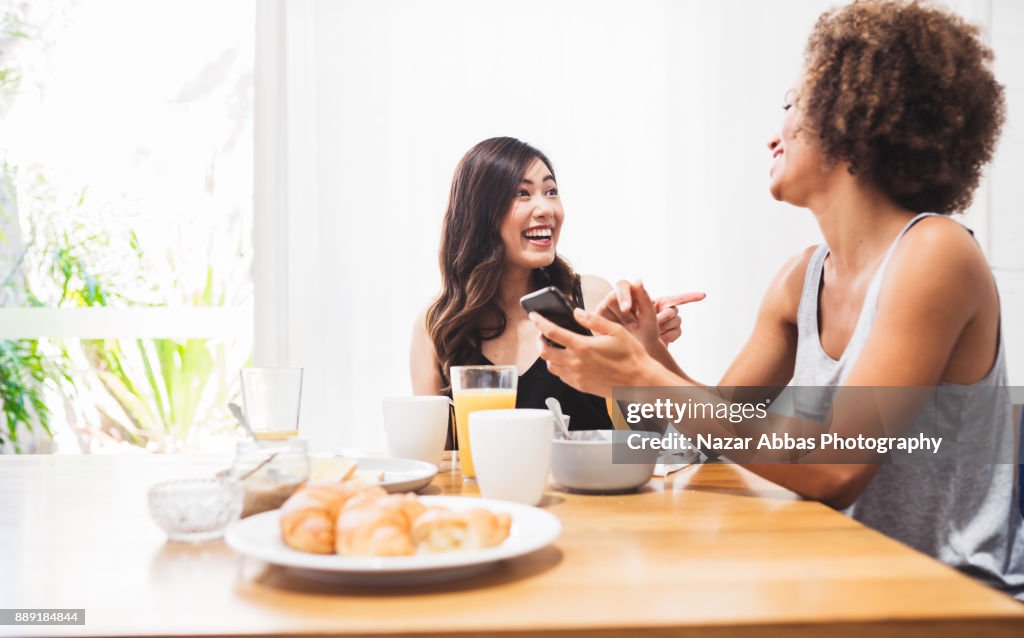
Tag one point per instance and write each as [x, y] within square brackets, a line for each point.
[678, 300]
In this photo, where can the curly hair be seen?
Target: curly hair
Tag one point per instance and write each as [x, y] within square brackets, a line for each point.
[904, 93]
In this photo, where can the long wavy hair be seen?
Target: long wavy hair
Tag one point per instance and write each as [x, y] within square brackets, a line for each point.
[467, 312]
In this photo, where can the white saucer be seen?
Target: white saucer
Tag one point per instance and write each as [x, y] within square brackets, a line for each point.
[400, 475]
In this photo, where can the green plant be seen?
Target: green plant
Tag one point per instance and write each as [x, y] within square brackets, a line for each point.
[23, 374]
[161, 387]
[24, 368]
[148, 392]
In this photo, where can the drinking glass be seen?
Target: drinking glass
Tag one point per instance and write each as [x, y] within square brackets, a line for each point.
[476, 388]
[271, 397]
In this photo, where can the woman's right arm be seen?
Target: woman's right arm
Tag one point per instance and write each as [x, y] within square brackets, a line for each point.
[423, 366]
[595, 365]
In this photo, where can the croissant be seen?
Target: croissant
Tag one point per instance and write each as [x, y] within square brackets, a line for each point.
[377, 526]
[408, 505]
[356, 520]
[440, 530]
[308, 516]
[489, 529]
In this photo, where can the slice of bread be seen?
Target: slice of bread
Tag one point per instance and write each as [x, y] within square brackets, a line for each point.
[333, 469]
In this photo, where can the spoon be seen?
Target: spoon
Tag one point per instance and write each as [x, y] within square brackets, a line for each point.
[258, 467]
[237, 412]
[556, 409]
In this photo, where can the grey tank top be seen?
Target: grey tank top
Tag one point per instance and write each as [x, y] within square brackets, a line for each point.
[964, 513]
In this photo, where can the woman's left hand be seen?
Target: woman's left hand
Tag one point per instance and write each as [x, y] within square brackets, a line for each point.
[612, 357]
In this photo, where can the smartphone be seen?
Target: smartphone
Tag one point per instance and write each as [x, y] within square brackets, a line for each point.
[552, 305]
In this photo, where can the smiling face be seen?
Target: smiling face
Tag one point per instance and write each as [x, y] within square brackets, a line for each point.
[798, 169]
[531, 226]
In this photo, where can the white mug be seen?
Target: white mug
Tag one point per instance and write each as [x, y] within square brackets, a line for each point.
[512, 453]
[416, 427]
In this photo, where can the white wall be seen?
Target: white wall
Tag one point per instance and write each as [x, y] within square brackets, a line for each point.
[1005, 245]
[655, 114]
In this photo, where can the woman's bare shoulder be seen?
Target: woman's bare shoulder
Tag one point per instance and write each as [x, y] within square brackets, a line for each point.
[941, 239]
[938, 256]
[423, 363]
[420, 333]
[595, 289]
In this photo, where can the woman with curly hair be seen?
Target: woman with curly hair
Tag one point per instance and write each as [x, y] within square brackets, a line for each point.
[885, 135]
[499, 242]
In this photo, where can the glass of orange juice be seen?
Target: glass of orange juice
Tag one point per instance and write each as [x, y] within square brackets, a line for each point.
[479, 388]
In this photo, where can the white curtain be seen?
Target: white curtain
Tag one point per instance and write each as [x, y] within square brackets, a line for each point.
[655, 114]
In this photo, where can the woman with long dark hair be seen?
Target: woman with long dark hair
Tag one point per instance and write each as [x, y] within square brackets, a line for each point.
[498, 243]
[885, 135]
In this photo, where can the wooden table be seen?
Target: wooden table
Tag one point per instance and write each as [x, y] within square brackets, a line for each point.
[710, 551]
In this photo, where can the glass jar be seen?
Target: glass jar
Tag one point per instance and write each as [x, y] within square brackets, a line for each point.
[270, 472]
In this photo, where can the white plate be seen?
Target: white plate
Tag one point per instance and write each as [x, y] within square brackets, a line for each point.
[400, 475]
[532, 528]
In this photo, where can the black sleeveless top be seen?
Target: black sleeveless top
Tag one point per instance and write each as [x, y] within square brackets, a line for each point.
[588, 411]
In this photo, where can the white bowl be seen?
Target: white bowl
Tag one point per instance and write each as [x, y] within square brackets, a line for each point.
[586, 465]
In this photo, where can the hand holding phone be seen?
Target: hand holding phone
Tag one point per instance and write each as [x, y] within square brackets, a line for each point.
[552, 305]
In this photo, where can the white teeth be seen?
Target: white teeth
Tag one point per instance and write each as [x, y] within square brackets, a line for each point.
[539, 233]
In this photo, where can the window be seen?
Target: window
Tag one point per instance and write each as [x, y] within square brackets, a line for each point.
[125, 220]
